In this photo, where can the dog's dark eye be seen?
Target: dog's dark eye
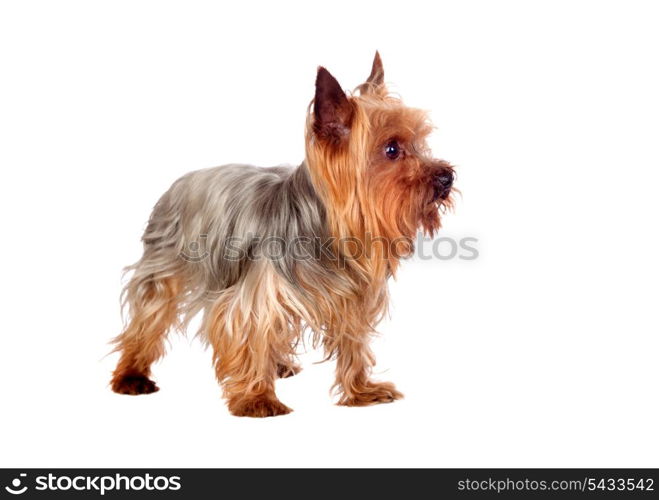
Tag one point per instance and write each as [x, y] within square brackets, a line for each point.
[392, 150]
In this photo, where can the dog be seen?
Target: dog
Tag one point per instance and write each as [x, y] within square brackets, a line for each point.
[344, 218]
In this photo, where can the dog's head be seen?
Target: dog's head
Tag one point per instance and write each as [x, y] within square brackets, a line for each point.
[368, 156]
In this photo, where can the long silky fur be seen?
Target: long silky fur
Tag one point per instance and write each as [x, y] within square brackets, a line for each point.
[255, 310]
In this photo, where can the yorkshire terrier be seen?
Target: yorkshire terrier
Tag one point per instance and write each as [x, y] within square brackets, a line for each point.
[341, 221]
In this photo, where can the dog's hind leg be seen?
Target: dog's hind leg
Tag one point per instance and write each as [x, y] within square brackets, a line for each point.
[250, 327]
[245, 361]
[153, 307]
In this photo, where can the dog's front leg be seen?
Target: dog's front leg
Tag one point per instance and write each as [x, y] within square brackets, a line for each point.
[354, 361]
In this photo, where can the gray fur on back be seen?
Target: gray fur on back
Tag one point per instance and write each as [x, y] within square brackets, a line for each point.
[209, 225]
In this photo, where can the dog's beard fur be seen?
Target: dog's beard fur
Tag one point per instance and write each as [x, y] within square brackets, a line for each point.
[204, 242]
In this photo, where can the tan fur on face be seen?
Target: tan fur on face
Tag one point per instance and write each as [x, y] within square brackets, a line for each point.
[369, 196]
[399, 194]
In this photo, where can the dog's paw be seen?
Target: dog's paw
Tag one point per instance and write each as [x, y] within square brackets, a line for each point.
[371, 393]
[286, 371]
[134, 384]
[258, 407]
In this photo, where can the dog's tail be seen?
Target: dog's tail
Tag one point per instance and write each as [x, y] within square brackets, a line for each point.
[156, 280]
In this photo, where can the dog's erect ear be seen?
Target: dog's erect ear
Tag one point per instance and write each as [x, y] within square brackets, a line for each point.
[331, 108]
[376, 78]
[375, 81]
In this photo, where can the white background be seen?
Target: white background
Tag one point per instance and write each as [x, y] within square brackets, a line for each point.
[542, 352]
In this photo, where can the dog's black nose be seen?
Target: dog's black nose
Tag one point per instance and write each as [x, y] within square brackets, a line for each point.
[445, 179]
[442, 182]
